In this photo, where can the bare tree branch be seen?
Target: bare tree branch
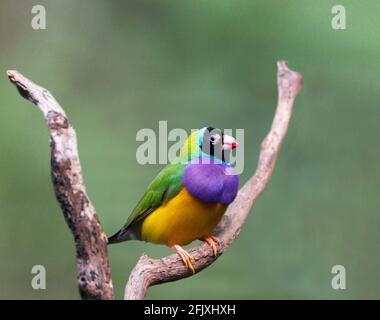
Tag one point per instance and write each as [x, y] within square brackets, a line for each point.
[93, 270]
[148, 271]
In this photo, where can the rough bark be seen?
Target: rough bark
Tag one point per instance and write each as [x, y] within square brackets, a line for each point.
[93, 270]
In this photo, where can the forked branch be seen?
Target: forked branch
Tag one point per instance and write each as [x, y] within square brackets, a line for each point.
[93, 270]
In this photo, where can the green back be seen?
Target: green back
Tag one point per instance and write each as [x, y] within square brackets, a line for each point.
[164, 187]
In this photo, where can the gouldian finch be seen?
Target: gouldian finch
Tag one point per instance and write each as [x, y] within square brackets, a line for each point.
[188, 197]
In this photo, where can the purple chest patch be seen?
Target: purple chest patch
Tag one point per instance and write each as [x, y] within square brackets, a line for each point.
[210, 182]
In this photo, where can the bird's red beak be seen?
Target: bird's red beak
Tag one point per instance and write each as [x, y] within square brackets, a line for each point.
[229, 143]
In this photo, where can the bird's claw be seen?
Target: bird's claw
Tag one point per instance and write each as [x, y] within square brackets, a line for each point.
[212, 241]
[187, 259]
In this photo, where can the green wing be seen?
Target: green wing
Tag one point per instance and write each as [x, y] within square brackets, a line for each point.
[164, 187]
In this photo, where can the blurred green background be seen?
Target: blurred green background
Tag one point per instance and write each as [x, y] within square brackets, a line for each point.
[119, 66]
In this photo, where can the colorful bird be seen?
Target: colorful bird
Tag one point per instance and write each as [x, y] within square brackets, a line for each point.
[188, 197]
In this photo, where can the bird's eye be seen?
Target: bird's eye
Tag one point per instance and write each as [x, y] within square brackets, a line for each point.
[214, 138]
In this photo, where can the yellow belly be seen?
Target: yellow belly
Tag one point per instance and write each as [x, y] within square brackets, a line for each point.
[181, 220]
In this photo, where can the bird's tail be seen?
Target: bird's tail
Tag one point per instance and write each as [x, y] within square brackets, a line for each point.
[119, 236]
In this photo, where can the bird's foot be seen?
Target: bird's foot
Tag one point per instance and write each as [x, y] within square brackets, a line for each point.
[212, 241]
[187, 259]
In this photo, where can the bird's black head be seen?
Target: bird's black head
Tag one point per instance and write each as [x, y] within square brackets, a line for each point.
[216, 144]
